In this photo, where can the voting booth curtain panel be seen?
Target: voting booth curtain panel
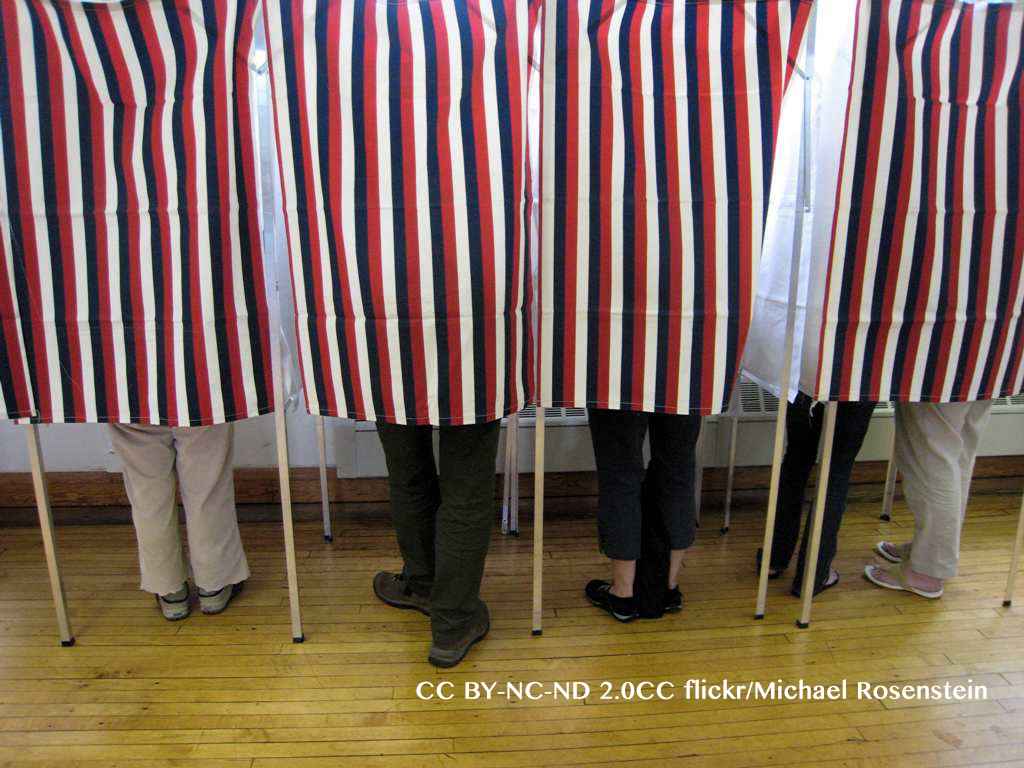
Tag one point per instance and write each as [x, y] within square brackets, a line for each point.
[129, 220]
[660, 122]
[920, 287]
[402, 130]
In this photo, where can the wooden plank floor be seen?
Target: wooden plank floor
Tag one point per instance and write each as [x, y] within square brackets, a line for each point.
[233, 691]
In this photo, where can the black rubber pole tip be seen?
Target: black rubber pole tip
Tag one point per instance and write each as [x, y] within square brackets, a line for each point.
[803, 624]
[514, 533]
[67, 643]
[885, 518]
[1006, 604]
[758, 616]
[328, 538]
[725, 529]
[299, 639]
[537, 632]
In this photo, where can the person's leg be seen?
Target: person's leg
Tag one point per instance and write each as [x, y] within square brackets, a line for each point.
[147, 453]
[933, 457]
[464, 523]
[206, 476]
[415, 500]
[803, 431]
[671, 475]
[618, 440]
[975, 422]
[852, 423]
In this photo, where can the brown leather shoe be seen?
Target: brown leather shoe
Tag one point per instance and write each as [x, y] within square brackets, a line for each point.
[446, 656]
[393, 589]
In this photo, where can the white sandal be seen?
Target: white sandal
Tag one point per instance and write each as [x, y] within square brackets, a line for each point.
[900, 585]
[885, 554]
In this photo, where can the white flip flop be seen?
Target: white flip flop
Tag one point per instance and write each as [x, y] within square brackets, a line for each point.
[902, 586]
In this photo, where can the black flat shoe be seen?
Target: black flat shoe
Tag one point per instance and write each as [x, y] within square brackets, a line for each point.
[673, 600]
[620, 608]
[773, 573]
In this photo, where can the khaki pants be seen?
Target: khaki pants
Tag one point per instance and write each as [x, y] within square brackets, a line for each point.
[936, 445]
[201, 458]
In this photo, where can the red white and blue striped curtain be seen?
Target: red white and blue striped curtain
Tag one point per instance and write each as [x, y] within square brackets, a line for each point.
[402, 136]
[924, 287]
[129, 211]
[660, 124]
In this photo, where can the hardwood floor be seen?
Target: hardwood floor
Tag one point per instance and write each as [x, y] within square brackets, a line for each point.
[233, 691]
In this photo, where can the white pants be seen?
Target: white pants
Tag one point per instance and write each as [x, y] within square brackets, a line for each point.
[936, 445]
[201, 457]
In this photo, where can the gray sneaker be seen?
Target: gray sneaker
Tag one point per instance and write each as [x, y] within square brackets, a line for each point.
[175, 606]
[447, 655]
[215, 602]
[393, 589]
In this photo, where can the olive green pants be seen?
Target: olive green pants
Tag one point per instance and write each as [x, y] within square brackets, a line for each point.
[443, 515]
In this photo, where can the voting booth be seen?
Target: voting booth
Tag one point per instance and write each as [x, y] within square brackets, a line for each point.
[914, 281]
[130, 217]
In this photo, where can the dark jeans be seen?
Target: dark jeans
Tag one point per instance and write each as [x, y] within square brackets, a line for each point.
[803, 433]
[443, 518]
[624, 483]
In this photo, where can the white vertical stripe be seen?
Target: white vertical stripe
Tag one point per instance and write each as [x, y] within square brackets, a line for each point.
[721, 197]
[615, 313]
[163, 35]
[686, 202]
[495, 174]
[647, 142]
[549, 143]
[584, 226]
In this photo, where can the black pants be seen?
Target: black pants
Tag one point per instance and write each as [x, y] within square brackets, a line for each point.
[443, 518]
[803, 433]
[624, 483]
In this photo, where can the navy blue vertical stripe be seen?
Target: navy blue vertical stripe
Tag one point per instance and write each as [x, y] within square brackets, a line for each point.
[665, 245]
[561, 202]
[732, 175]
[697, 195]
